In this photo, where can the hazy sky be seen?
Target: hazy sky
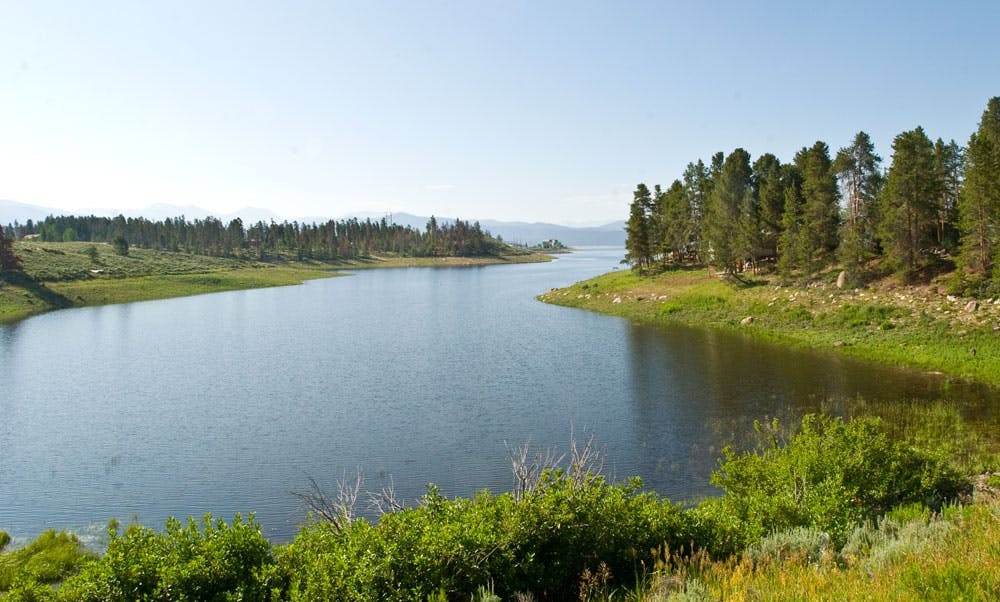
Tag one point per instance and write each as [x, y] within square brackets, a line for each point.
[537, 110]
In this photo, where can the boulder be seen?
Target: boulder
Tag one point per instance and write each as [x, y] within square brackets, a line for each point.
[971, 306]
[747, 320]
[841, 279]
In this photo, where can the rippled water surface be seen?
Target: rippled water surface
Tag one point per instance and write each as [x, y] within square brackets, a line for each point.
[230, 402]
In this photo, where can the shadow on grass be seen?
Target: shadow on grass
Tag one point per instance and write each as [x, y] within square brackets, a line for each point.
[742, 281]
[37, 289]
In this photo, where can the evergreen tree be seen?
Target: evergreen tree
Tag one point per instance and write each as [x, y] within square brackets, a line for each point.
[657, 224]
[908, 212]
[949, 163]
[820, 208]
[722, 213]
[638, 247]
[697, 187]
[676, 223]
[979, 200]
[857, 168]
[790, 247]
[9, 261]
[769, 190]
[748, 238]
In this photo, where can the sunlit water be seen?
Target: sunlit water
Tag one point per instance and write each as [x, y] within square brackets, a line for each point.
[230, 402]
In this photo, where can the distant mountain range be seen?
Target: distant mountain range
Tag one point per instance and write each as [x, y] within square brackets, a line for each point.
[524, 233]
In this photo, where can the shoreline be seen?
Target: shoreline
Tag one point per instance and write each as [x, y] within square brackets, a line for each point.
[910, 327]
[65, 275]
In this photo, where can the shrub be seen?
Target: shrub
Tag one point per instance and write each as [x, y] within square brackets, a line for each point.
[48, 559]
[546, 542]
[216, 562]
[798, 544]
[830, 476]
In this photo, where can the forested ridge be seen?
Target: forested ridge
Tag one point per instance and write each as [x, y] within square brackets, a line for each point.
[934, 208]
[331, 240]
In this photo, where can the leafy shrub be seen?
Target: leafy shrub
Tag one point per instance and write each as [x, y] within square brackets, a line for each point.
[544, 542]
[798, 544]
[830, 476]
[216, 562]
[48, 559]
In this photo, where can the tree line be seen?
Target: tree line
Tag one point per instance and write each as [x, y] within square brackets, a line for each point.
[936, 201]
[331, 240]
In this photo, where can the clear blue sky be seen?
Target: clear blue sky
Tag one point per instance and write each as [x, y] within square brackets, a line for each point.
[537, 110]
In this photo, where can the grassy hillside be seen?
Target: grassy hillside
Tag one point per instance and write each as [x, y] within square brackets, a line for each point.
[59, 275]
[920, 327]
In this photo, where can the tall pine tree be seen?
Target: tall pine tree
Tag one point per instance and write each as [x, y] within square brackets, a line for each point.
[9, 261]
[722, 214]
[638, 246]
[979, 200]
[908, 212]
[820, 208]
[949, 164]
[676, 224]
[769, 190]
[857, 168]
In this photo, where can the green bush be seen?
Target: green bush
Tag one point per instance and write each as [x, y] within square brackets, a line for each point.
[830, 476]
[216, 562]
[797, 544]
[543, 543]
[48, 559]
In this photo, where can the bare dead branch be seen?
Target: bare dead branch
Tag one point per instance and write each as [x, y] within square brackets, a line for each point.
[385, 501]
[339, 510]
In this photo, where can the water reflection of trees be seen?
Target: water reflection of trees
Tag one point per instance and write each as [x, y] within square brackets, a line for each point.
[695, 390]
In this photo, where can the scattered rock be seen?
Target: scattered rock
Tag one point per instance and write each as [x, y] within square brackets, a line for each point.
[839, 343]
[971, 306]
[747, 320]
[617, 300]
[841, 279]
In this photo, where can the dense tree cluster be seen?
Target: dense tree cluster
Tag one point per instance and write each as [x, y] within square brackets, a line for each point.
[344, 239]
[935, 201]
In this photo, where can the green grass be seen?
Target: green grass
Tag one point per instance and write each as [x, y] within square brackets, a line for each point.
[58, 275]
[48, 559]
[892, 326]
[950, 556]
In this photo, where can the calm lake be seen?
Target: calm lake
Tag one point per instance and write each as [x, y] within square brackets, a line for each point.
[229, 402]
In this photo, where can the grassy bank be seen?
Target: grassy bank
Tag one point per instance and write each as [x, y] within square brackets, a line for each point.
[60, 275]
[918, 327]
[910, 554]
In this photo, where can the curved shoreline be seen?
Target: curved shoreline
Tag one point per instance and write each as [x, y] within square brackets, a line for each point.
[901, 326]
[145, 275]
